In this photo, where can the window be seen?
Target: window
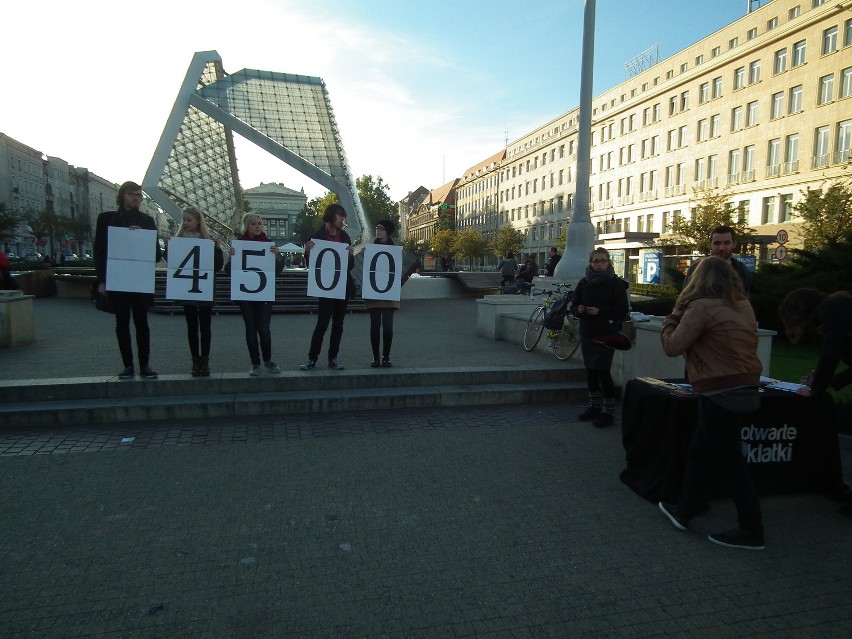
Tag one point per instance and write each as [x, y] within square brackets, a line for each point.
[751, 113]
[682, 137]
[799, 52]
[672, 142]
[684, 67]
[715, 126]
[794, 12]
[771, 23]
[716, 52]
[655, 145]
[712, 168]
[779, 64]
[751, 34]
[733, 42]
[736, 118]
[739, 78]
[817, 3]
[717, 87]
[826, 89]
[684, 101]
[699, 59]
[703, 92]
[791, 153]
[646, 116]
[656, 111]
[844, 142]
[845, 83]
[847, 33]
[733, 164]
[681, 173]
[754, 72]
[748, 162]
[673, 105]
[821, 148]
[796, 99]
[777, 105]
[768, 215]
[773, 158]
[702, 130]
[829, 41]
[785, 211]
[700, 169]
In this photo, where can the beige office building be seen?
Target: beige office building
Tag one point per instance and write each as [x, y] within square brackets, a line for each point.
[762, 108]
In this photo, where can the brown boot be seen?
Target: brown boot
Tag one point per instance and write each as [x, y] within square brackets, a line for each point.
[204, 367]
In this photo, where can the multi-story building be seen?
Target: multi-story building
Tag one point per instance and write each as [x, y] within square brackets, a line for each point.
[440, 203]
[278, 206]
[477, 197]
[761, 109]
[408, 206]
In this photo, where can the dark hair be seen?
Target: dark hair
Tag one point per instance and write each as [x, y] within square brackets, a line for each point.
[714, 278]
[798, 311]
[554, 249]
[510, 254]
[600, 249]
[721, 230]
[331, 210]
[127, 186]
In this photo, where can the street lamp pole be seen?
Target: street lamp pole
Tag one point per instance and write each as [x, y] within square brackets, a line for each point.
[580, 237]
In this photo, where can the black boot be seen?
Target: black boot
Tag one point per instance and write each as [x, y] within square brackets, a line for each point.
[204, 366]
[196, 366]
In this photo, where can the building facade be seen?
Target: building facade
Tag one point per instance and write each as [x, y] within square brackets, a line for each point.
[761, 110]
[477, 200]
[278, 206]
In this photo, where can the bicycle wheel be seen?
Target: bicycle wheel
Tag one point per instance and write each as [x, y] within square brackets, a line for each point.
[567, 340]
[534, 329]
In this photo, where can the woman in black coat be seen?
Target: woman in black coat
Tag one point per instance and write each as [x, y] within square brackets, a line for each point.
[600, 301]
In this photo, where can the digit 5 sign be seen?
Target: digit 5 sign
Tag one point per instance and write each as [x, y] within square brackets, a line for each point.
[252, 272]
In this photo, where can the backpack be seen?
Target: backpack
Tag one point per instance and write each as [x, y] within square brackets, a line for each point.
[554, 318]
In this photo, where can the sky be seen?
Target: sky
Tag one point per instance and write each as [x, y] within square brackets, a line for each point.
[421, 90]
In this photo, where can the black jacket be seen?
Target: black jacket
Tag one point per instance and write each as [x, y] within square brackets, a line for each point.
[120, 218]
[610, 297]
[343, 238]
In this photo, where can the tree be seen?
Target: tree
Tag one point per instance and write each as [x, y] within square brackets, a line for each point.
[441, 244]
[508, 239]
[45, 224]
[826, 214]
[710, 208]
[375, 201]
[8, 223]
[412, 245]
[468, 244]
[309, 218]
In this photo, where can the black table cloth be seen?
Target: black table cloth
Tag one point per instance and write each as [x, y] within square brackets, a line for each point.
[791, 445]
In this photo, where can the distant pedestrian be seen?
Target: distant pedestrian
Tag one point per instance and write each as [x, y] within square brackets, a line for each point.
[199, 314]
[257, 316]
[382, 311]
[550, 267]
[508, 268]
[330, 309]
[600, 301]
[7, 282]
[129, 215]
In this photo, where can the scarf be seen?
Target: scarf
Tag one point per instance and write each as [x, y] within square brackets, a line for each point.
[260, 238]
[597, 278]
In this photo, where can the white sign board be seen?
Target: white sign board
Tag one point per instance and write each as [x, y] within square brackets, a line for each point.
[131, 256]
[381, 278]
[190, 274]
[252, 271]
[328, 268]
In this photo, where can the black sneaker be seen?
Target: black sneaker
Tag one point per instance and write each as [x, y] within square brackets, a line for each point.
[127, 373]
[589, 414]
[738, 538]
[375, 363]
[670, 511]
[602, 420]
[146, 373]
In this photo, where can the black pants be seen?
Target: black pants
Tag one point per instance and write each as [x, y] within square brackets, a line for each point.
[716, 442]
[125, 305]
[198, 326]
[257, 316]
[381, 326]
[328, 310]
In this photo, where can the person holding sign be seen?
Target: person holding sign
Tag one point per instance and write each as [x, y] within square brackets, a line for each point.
[331, 309]
[381, 311]
[199, 313]
[257, 315]
[130, 216]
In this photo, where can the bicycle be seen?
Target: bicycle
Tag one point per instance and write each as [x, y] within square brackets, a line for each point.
[564, 340]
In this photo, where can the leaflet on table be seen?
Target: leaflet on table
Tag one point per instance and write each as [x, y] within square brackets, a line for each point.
[681, 390]
[790, 387]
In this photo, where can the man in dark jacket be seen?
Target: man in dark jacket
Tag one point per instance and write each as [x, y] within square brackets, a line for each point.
[330, 309]
[129, 215]
[552, 262]
[723, 242]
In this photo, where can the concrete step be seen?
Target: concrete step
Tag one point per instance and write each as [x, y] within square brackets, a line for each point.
[87, 401]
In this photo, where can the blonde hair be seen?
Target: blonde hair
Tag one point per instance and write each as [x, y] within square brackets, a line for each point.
[715, 278]
[202, 223]
[248, 218]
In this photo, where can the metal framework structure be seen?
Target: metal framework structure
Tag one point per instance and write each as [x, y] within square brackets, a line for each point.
[288, 116]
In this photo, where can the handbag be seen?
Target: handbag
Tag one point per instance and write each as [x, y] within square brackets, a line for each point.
[102, 302]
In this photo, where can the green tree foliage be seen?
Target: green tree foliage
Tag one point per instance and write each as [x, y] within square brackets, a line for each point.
[468, 245]
[375, 201]
[411, 245]
[45, 225]
[507, 240]
[309, 218]
[710, 208]
[441, 243]
[826, 214]
[8, 222]
[446, 220]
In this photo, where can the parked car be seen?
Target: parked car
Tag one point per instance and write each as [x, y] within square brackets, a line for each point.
[71, 257]
[13, 257]
[33, 256]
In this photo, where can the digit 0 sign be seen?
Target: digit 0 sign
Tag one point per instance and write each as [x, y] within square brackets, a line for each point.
[327, 269]
[381, 279]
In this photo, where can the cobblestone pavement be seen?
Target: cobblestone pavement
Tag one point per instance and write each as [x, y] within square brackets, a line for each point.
[505, 521]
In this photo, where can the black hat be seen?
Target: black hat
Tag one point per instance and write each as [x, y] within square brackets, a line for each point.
[387, 225]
